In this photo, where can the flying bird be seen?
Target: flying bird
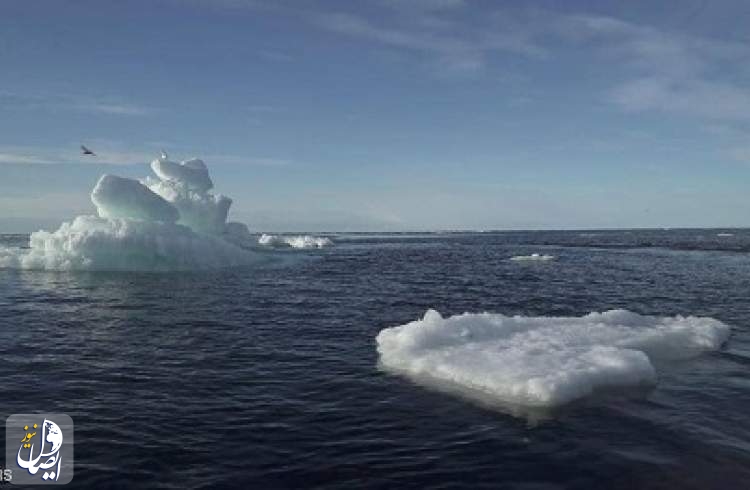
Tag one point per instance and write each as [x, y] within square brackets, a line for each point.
[86, 151]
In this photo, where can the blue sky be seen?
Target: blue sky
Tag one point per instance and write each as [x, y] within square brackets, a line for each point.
[385, 114]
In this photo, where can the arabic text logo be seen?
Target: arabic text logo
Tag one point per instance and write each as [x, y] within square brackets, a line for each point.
[40, 448]
[48, 456]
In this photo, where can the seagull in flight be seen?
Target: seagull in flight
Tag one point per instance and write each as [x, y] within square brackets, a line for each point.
[86, 151]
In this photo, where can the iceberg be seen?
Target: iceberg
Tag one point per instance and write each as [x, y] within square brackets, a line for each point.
[171, 222]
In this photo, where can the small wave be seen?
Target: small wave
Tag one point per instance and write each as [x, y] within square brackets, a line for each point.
[724, 234]
[533, 257]
[296, 241]
[542, 361]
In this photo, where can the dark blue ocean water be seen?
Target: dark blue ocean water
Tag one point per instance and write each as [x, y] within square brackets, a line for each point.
[267, 377]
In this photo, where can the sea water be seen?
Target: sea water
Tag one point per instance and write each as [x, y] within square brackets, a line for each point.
[269, 375]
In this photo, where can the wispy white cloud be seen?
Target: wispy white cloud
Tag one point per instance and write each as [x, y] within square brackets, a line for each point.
[448, 44]
[648, 68]
[725, 130]
[246, 160]
[648, 47]
[74, 102]
[115, 153]
[264, 109]
[424, 5]
[114, 109]
[356, 26]
[740, 154]
[25, 158]
[669, 72]
[275, 55]
[422, 27]
[463, 37]
[106, 153]
[692, 97]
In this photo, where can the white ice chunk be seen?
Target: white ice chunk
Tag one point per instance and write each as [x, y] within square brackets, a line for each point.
[299, 241]
[192, 173]
[118, 197]
[201, 211]
[542, 361]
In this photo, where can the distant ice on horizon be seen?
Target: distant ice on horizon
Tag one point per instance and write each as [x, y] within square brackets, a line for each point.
[294, 241]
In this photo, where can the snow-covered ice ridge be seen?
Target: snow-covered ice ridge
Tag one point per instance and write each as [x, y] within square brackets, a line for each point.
[542, 361]
[290, 241]
[172, 222]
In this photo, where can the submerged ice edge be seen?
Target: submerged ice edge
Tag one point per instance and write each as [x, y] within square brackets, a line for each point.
[172, 222]
[542, 362]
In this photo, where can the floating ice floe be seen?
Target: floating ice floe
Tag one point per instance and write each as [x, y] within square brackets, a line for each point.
[289, 241]
[542, 361]
[532, 257]
[169, 223]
